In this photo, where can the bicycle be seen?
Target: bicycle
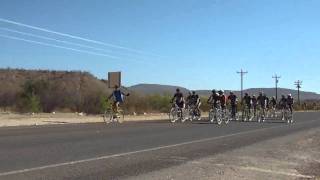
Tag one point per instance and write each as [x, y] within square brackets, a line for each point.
[286, 115]
[193, 113]
[247, 114]
[215, 114]
[232, 114]
[261, 114]
[176, 113]
[110, 115]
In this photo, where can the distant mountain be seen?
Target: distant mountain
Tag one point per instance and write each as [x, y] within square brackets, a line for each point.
[149, 89]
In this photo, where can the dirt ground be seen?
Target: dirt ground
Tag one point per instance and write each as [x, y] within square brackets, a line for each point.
[295, 156]
[12, 119]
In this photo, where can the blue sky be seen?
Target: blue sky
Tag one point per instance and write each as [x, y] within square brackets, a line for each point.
[198, 44]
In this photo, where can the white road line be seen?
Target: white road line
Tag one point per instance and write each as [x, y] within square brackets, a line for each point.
[276, 172]
[138, 151]
[250, 168]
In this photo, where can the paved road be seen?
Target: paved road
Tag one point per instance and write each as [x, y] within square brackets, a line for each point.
[96, 151]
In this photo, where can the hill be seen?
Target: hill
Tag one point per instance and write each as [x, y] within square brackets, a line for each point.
[58, 89]
[150, 89]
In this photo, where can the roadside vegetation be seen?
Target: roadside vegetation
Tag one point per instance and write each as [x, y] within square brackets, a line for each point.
[26, 91]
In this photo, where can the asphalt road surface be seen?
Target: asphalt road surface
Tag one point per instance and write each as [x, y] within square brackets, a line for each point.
[97, 151]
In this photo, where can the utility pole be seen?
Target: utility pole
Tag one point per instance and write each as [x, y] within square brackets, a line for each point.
[298, 86]
[241, 74]
[276, 81]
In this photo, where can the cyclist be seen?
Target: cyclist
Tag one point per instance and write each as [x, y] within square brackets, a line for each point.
[233, 102]
[283, 103]
[178, 99]
[261, 99]
[195, 101]
[272, 106]
[222, 100]
[188, 99]
[273, 102]
[254, 104]
[214, 98]
[290, 102]
[117, 96]
[247, 101]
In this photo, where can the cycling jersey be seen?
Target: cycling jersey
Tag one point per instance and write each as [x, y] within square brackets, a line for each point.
[261, 100]
[273, 102]
[233, 99]
[178, 97]
[213, 99]
[290, 101]
[222, 99]
[117, 95]
[194, 99]
[254, 101]
[247, 100]
[283, 103]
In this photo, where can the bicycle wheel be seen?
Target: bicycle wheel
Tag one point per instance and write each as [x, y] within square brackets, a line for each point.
[120, 116]
[219, 117]
[107, 116]
[173, 115]
[211, 115]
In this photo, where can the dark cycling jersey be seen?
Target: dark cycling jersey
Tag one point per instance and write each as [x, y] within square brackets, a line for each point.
[283, 103]
[117, 95]
[233, 99]
[261, 100]
[290, 101]
[254, 101]
[194, 99]
[178, 96]
[273, 102]
[247, 100]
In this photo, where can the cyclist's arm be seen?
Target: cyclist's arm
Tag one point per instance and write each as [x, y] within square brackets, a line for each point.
[111, 95]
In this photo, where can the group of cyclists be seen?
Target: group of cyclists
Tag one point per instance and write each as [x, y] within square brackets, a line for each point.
[218, 99]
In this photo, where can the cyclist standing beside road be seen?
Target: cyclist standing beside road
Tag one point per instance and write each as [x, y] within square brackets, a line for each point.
[117, 96]
[178, 99]
[233, 102]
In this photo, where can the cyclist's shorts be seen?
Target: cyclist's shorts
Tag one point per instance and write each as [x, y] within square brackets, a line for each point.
[180, 104]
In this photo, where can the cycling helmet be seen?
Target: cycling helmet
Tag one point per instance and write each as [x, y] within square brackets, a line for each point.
[289, 95]
[220, 91]
[178, 90]
[193, 92]
[254, 96]
[213, 91]
[246, 94]
[231, 92]
[260, 93]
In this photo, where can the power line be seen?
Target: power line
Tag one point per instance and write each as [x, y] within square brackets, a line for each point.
[242, 73]
[76, 37]
[298, 86]
[276, 78]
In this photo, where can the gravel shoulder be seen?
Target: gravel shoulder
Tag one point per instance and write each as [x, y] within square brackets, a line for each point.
[11, 119]
[296, 156]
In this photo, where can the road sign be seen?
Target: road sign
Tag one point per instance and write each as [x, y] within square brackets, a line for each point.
[114, 79]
